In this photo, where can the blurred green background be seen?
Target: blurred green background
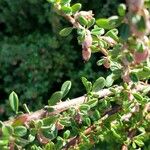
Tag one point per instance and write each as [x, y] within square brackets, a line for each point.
[34, 59]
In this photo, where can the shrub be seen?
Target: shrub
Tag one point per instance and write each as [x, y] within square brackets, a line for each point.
[117, 116]
[39, 61]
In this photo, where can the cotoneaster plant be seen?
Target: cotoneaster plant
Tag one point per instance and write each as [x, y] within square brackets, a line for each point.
[108, 116]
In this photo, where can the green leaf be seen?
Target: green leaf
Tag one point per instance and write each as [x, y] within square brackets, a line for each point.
[140, 47]
[122, 10]
[55, 98]
[14, 101]
[99, 84]
[50, 120]
[88, 121]
[76, 7]
[139, 142]
[103, 23]
[147, 3]
[33, 131]
[112, 34]
[7, 130]
[129, 57]
[110, 80]
[109, 23]
[134, 77]
[66, 31]
[4, 142]
[124, 31]
[139, 21]
[97, 31]
[91, 22]
[134, 145]
[65, 121]
[96, 115]
[84, 138]
[50, 146]
[94, 49]
[92, 102]
[64, 2]
[143, 73]
[20, 131]
[87, 84]
[114, 21]
[84, 108]
[31, 138]
[66, 134]
[66, 10]
[50, 133]
[100, 62]
[51, 1]
[66, 88]
[82, 20]
[138, 97]
[22, 142]
[39, 124]
[116, 135]
[60, 142]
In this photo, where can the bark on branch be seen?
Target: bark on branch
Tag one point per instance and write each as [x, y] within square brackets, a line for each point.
[62, 106]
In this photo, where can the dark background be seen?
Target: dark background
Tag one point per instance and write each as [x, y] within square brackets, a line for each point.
[34, 59]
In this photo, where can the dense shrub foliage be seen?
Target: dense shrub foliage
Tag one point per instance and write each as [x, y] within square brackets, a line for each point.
[39, 60]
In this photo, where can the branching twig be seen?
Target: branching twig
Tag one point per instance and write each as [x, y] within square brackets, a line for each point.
[73, 141]
[62, 106]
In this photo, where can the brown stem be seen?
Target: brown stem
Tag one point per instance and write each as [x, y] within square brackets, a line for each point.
[62, 106]
[74, 141]
[131, 134]
[124, 147]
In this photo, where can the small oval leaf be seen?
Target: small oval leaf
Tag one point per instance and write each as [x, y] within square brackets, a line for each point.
[134, 77]
[66, 31]
[92, 102]
[7, 130]
[84, 107]
[14, 101]
[87, 84]
[76, 7]
[66, 10]
[82, 20]
[20, 131]
[103, 23]
[66, 88]
[99, 84]
[66, 134]
[64, 2]
[56, 97]
[124, 31]
[110, 80]
[122, 10]
[91, 22]
[98, 31]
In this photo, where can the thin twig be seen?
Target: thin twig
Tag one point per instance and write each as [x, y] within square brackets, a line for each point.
[62, 106]
[74, 141]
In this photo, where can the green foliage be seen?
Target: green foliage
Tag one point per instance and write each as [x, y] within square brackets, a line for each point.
[14, 102]
[65, 88]
[65, 31]
[32, 70]
[55, 98]
[114, 118]
[98, 84]
[39, 61]
[76, 7]
[122, 9]
[20, 131]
